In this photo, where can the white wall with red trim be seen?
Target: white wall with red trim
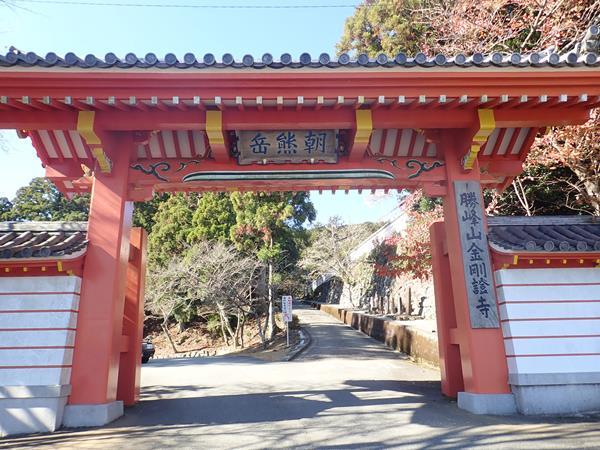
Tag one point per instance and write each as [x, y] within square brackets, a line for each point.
[551, 326]
[38, 321]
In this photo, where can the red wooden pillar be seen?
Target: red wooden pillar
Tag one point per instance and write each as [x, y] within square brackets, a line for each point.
[450, 363]
[128, 389]
[99, 324]
[483, 359]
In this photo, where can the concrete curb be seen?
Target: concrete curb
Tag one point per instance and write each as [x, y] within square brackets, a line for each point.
[421, 347]
[194, 354]
[305, 341]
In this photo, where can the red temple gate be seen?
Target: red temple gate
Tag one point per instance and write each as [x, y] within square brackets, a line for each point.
[125, 128]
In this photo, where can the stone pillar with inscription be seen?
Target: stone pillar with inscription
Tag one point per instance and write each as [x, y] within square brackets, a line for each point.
[477, 332]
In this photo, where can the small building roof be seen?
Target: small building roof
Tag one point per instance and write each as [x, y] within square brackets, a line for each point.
[42, 240]
[545, 234]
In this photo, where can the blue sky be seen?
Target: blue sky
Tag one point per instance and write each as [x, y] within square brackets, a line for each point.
[99, 30]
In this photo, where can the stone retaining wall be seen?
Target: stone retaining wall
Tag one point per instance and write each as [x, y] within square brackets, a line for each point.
[418, 344]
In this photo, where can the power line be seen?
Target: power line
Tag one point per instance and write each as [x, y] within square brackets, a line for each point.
[178, 5]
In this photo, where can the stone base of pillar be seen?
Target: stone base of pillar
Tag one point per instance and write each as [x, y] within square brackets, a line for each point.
[498, 404]
[92, 415]
[31, 409]
[560, 399]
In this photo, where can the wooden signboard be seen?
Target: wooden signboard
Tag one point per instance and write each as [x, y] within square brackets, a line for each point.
[296, 146]
[476, 255]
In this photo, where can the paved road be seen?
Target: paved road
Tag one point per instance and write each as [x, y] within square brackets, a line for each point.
[346, 391]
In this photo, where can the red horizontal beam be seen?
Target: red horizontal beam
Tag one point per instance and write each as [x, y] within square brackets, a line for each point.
[290, 84]
[249, 119]
[233, 119]
[208, 175]
[397, 170]
[541, 117]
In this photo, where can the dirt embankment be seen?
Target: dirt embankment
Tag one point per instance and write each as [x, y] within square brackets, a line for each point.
[197, 340]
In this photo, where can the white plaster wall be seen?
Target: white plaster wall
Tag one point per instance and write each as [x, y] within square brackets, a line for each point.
[565, 364]
[550, 328]
[553, 346]
[574, 310]
[49, 338]
[44, 302]
[35, 376]
[66, 284]
[38, 318]
[550, 320]
[19, 320]
[35, 357]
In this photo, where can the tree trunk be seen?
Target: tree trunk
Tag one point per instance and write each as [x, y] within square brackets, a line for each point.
[223, 332]
[236, 337]
[349, 289]
[166, 331]
[270, 319]
[226, 326]
[241, 326]
[261, 332]
[522, 196]
[591, 189]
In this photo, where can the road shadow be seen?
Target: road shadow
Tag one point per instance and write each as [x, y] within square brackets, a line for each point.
[448, 426]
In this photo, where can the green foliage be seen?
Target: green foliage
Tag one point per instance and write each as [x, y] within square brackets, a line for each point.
[213, 218]
[5, 208]
[387, 26]
[427, 204]
[184, 312]
[173, 222]
[270, 224]
[213, 325]
[266, 226]
[144, 212]
[40, 201]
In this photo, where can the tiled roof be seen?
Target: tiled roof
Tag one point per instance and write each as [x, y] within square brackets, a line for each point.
[42, 240]
[550, 234]
[190, 60]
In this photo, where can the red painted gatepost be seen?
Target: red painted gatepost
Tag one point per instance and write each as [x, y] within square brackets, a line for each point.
[123, 128]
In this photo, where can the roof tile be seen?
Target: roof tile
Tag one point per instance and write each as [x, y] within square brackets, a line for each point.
[42, 240]
[150, 60]
[550, 234]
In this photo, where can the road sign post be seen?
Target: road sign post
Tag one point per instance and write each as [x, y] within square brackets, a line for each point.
[286, 312]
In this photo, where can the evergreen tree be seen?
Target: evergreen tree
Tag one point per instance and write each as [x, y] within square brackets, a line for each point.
[385, 26]
[267, 223]
[144, 212]
[173, 222]
[5, 209]
[41, 200]
[213, 219]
